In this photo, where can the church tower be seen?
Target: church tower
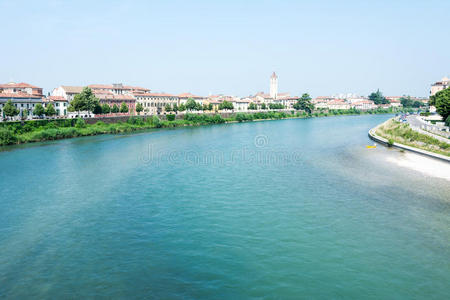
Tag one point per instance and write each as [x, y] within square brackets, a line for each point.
[273, 86]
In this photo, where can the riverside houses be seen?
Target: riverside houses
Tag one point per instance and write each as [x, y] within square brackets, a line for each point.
[183, 98]
[67, 92]
[59, 103]
[23, 96]
[154, 103]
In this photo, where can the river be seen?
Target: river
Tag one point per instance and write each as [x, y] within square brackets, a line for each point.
[282, 209]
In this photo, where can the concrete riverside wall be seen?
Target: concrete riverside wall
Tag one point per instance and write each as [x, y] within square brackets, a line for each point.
[383, 141]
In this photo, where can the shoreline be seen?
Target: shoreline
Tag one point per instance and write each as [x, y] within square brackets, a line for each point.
[373, 136]
[139, 124]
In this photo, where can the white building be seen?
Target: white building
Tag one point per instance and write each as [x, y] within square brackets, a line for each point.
[23, 96]
[67, 92]
[59, 103]
[155, 102]
[241, 105]
[364, 105]
[440, 85]
[183, 98]
[273, 86]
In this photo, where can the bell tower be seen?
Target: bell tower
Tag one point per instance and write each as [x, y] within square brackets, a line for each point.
[273, 86]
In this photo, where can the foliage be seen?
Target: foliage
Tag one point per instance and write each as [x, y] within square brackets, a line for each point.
[115, 109]
[442, 102]
[263, 106]
[408, 102]
[139, 108]
[106, 109]
[97, 109]
[170, 117]
[10, 110]
[7, 137]
[80, 123]
[175, 107]
[156, 122]
[304, 103]
[182, 107]
[447, 121]
[86, 100]
[226, 105]
[123, 107]
[50, 110]
[378, 98]
[38, 110]
[168, 108]
[191, 104]
[276, 106]
[252, 106]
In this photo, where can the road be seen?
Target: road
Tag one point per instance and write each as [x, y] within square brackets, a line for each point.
[418, 125]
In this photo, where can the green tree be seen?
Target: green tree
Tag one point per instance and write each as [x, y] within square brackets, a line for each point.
[210, 106]
[304, 103]
[24, 114]
[115, 109]
[205, 107]
[252, 106]
[123, 107]
[139, 108]
[175, 107]
[226, 105]
[441, 100]
[106, 109]
[50, 110]
[97, 109]
[263, 106]
[191, 104]
[378, 98]
[182, 107]
[10, 110]
[38, 110]
[167, 107]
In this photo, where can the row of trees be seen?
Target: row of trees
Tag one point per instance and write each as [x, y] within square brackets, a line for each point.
[11, 111]
[409, 102]
[441, 100]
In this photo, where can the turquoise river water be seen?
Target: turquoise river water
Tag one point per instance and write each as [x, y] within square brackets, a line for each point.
[288, 209]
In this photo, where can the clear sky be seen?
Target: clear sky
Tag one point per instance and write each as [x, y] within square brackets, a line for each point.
[231, 47]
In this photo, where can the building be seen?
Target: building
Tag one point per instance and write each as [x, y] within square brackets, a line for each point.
[183, 98]
[23, 96]
[338, 104]
[154, 103]
[241, 105]
[118, 89]
[112, 99]
[67, 92]
[25, 88]
[440, 85]
[364, 105]
[59, 103]
[274, 86]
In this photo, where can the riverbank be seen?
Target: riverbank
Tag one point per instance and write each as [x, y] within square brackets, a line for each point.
[12, 133]
[400, 135]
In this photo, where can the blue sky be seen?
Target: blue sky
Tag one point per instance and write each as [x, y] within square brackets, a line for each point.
[231, 47]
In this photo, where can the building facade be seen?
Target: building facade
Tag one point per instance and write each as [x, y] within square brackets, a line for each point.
[439, 86]
[23, 96]
[154, 103]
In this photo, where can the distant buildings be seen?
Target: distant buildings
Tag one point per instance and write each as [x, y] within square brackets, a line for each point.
[440, 85]
[23, 96]
[274, 86]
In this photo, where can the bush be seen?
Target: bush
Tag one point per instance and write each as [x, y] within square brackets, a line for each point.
[80, 123]
[170, 117]
[156, 122]
[390, 142]
[135, 121]
[7, 137]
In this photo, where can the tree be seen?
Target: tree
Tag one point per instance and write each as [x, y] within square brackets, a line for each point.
[175, 107]
[123, 107]
[24, 114]
[167, 107]
[226, 105]
[98, 109]
[182, 107]
[106, 109]
[10, 110]
[252, 106]
[276, 106]
[49, 110]
[191, 104]
[304, 103]
[378, 98]
[205, 107]
[263, 106]
[139, 108]
[210, 106]
[86, 100]
[441, 100]
[38, 110]
[115, 109]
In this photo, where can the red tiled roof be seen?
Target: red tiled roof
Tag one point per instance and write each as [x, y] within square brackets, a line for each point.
[18, 85]
[110, 86]
[19, 95]
[188, 95]
[154, 95]
[56, 98]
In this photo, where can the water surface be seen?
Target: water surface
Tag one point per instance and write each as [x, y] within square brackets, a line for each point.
[283, 209]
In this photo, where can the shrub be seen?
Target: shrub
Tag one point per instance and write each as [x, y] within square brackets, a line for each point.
[7, 137]
[170, 117]
[80, 123]
[390, 142]
[135, 121]
[156, 122]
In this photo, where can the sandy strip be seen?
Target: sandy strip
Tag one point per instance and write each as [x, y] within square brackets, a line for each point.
[427, 166]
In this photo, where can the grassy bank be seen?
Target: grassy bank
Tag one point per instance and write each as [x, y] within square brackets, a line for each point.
[45, 130]
[401, 133]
